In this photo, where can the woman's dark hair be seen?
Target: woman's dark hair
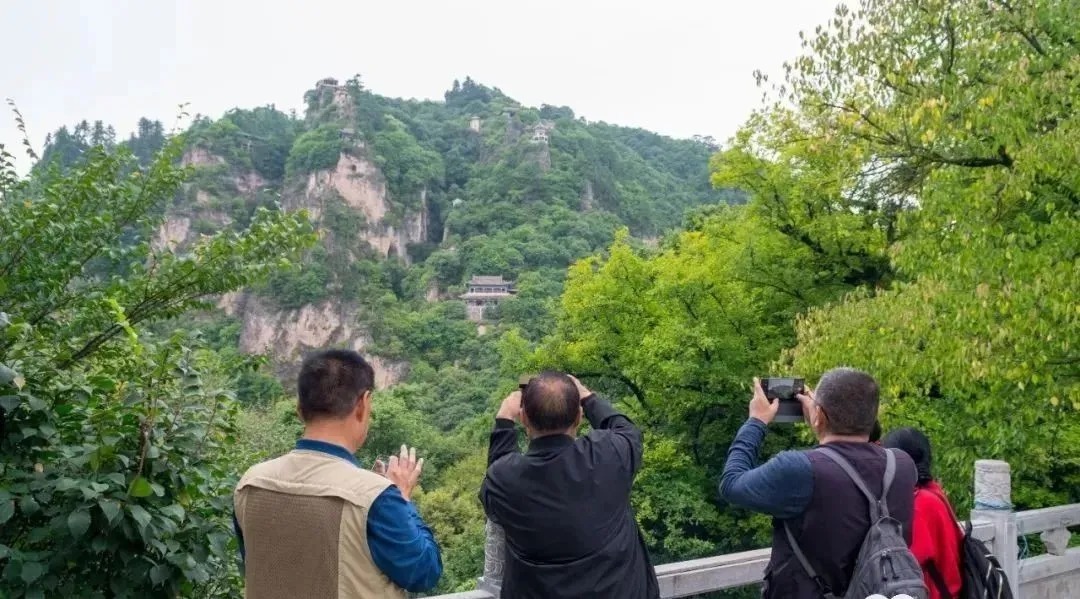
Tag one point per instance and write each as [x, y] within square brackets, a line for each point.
[912, 442]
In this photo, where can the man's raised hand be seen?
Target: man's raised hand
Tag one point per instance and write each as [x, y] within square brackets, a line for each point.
[404, 470]
[510, 408]
[760, 406]
[582, 390]
[809, 406]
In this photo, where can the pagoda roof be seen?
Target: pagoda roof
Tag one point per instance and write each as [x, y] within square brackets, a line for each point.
[488, 280]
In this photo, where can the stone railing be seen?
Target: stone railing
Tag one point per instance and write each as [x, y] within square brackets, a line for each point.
[1053, 575]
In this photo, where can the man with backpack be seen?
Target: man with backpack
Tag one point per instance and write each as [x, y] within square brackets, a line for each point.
[841, 511]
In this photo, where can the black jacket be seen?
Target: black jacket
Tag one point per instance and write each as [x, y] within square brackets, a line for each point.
[565, 507]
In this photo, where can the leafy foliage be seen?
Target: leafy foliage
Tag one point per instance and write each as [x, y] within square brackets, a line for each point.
[966, 115]
[910, 211]
[258, 139]
[408, 166]
[313, 150]
[116, 475]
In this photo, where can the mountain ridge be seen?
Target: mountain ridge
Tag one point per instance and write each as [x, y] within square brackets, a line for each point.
[412, 197]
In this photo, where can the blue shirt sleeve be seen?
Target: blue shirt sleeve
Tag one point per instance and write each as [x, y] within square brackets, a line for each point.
[782, 487]
[239, 538]
[402, 546]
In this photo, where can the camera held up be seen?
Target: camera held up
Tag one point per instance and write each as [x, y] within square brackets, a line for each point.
[785, 389]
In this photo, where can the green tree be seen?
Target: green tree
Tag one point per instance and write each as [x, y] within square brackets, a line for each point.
[116, 474]
[960, 128]
[314, 150]
[147, 140]
[407, 166]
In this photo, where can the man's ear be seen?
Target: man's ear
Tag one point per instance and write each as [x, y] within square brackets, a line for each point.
[580, 415]
[363, 407]
[822, 419]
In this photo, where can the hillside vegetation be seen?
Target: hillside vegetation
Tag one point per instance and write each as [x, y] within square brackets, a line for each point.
[905, 202]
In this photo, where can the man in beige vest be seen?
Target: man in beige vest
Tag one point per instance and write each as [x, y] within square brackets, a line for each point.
[313, 524]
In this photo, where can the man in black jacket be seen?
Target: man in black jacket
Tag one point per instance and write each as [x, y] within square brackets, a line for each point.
[565, 503]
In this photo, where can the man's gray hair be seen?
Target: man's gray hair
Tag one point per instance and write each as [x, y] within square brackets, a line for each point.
[850, 399]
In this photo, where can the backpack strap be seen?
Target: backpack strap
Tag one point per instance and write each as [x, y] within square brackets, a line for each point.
[826, 592]
[878, 509]
[886, 483]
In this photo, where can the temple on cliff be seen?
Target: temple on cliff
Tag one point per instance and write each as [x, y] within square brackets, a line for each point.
[484, 292]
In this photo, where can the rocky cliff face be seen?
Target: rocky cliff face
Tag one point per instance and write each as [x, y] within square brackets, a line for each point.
[286, 335]
[361, 185]
[200, 157]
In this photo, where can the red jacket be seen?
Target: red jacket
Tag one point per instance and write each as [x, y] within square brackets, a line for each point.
[935, 539]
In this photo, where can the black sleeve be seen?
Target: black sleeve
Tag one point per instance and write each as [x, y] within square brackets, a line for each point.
[503, 440]
[603, 416]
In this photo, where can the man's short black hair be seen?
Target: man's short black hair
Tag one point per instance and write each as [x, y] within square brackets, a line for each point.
[551, 402]
[331, 382]
[850, 400]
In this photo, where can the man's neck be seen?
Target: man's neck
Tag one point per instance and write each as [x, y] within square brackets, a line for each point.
[830, 438]
[327, 434]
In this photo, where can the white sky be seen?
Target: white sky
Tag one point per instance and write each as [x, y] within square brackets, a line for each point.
[679, 67]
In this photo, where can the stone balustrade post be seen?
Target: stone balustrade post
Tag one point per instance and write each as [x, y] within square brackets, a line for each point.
[494, 558]
[993, 504]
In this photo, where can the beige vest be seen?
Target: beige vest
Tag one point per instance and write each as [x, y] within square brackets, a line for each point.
[304, 521]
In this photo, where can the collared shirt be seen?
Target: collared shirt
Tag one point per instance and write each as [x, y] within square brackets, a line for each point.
[401, 545]
[781, 488]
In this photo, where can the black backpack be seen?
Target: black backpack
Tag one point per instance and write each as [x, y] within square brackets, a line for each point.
[980, 571]
[885, 565]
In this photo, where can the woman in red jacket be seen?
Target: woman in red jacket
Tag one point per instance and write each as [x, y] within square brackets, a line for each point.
[935, 534]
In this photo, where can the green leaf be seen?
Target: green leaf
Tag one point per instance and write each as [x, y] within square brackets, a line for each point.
[158, 489]
[159, 574]
[66, 484]
[28, 505]
[78, 523]
[174, 511]
[31, 571]
[7, 510]
[36, 404]
[140, 515]
[7, 375]
[34, 593]
[111, 509]
[10, 402]
[140, 487]
[4, 551]
[102, 383]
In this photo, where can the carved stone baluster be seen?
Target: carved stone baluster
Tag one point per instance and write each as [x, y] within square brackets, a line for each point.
[494, 558]
[1056, 540]
[993, 503]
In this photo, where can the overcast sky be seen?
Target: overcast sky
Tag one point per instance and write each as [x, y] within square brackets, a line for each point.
[679, 67]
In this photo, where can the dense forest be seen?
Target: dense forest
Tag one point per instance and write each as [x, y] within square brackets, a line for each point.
[904, 201]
